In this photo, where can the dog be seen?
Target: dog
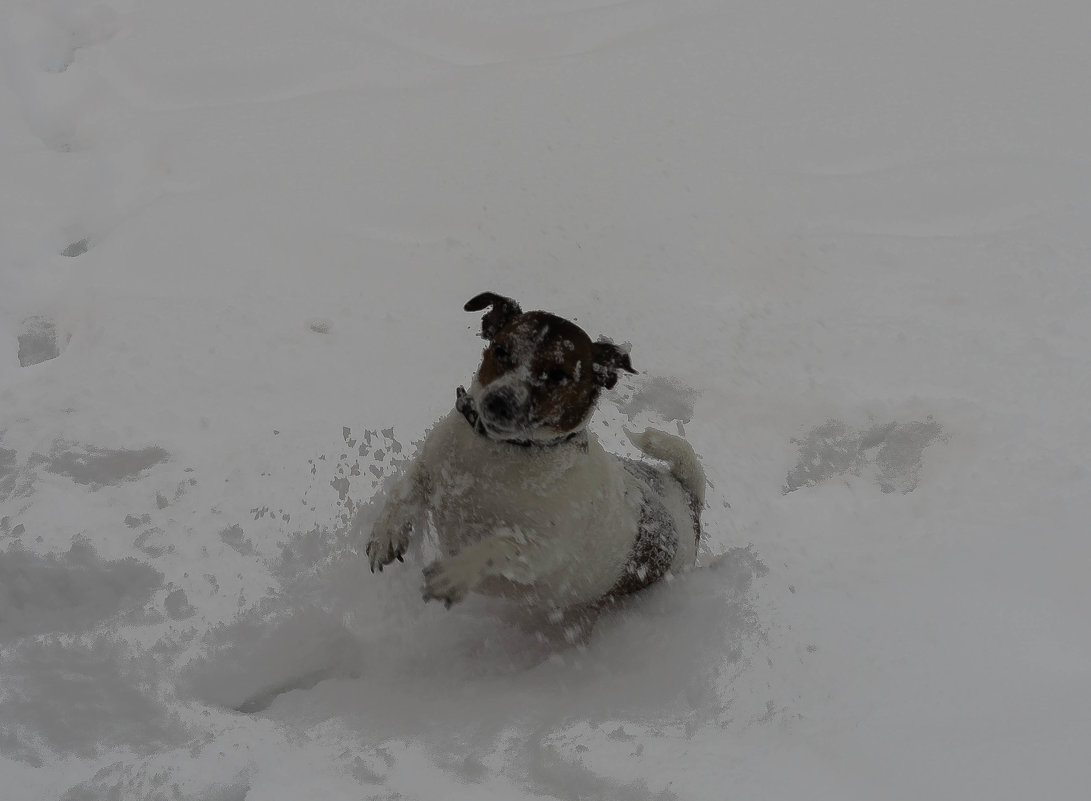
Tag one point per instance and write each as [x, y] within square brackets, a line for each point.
[525, 502]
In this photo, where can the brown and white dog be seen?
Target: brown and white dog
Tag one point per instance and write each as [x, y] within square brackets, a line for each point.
[525, 502]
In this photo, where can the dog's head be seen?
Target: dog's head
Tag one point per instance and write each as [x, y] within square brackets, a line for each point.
[539, 376]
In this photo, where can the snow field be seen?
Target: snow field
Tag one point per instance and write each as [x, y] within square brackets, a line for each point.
[848, 245]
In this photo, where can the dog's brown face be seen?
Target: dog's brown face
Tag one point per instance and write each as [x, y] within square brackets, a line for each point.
[540, 374]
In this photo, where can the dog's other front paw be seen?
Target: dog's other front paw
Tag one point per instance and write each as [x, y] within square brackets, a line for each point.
[385, 546]
[445, 580]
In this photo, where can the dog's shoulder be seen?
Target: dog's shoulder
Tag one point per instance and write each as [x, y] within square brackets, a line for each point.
[449, 435]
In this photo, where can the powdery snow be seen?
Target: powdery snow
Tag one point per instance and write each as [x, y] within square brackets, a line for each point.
[847, 242]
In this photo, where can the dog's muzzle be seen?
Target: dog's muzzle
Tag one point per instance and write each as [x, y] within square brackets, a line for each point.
[501, 408]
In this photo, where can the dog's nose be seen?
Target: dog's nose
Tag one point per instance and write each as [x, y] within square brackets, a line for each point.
[500, 405]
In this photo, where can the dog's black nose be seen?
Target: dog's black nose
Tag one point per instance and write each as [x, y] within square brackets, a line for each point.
[500, 405]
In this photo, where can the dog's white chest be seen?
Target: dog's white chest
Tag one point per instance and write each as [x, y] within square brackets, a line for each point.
[568, 503]
[477, 485]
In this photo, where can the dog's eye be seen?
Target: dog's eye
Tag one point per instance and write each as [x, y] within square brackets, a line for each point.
[502, 355]
[557, 375]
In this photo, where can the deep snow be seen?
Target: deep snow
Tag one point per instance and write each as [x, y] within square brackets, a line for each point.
[847, 242]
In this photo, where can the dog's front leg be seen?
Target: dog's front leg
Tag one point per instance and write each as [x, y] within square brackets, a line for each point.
[508, 555]
[403, 514]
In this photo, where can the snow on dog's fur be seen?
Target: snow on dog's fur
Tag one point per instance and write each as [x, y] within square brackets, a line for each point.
[525, 502]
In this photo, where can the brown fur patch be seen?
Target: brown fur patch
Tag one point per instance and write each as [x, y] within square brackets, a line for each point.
[656, 539]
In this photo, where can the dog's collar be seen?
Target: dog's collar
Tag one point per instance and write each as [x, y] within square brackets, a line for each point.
[464, 405]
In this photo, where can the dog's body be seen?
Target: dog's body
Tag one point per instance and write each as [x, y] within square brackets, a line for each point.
[525, 502]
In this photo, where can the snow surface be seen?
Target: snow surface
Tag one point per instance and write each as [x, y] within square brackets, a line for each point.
[847, 240]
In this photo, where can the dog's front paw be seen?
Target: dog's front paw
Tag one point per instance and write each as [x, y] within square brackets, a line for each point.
[448, 580]
[388, 543]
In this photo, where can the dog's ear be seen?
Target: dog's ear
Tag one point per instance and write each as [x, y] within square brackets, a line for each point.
[608, 359]
[502, 312]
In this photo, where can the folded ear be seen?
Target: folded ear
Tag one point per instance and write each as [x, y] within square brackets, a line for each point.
[608, 358]
[502, 312]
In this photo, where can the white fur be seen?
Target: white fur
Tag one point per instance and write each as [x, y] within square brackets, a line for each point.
[551, 525]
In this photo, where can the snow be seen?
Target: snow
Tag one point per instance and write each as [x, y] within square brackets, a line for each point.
[847, 242]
